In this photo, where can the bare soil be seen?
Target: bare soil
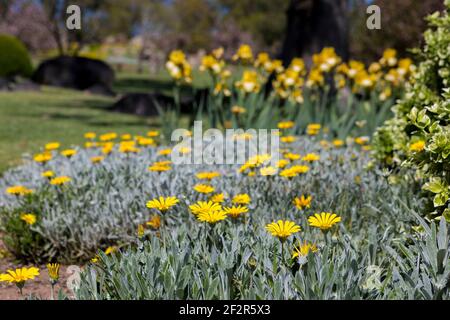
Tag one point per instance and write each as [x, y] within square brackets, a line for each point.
[39, 287]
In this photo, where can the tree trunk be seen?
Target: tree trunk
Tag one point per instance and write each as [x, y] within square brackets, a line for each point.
[313, 25]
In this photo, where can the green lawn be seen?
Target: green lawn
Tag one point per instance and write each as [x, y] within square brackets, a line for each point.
[28, 120]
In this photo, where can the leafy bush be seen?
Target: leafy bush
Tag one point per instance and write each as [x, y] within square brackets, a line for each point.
[14, 58]
[419, 134]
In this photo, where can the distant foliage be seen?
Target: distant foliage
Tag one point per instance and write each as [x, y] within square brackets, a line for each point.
[14, 58]
[419, 134]
[402, 21]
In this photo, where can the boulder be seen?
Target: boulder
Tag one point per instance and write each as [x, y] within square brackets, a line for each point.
[142, 104]
[76, 73]
[146, 104]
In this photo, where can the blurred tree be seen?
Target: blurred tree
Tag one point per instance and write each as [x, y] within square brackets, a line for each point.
[28, 22]
[401, 27]
[265, 20]
[194, 18]
[314, 24]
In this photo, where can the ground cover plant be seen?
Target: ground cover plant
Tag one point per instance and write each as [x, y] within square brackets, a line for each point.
[68, 207]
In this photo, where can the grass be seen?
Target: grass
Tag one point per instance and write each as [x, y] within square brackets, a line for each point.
[28, 120]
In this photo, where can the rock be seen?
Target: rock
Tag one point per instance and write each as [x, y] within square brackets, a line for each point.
[101, 90]
[142, 104]
[146, 104]
[76, 73]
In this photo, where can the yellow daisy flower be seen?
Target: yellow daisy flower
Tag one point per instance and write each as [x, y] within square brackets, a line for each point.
[324, 220]
[212, 216]
[242, 199]
[235, 211]
[29, 218]
[302, 202]
[203, 206]
[204, 188]
[303, 249]
[58, 181]
[162, 204]
[207, 175]
[282, 229]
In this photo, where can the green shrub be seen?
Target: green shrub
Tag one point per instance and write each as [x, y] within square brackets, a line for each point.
[419, 134]
[14, 58]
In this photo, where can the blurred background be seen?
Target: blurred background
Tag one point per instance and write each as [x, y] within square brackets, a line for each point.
[139, 34]
[134, 39]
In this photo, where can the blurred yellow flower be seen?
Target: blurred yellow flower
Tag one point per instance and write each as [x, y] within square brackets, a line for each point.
[242, 199]
[303, 249]
[48, 174]
[146, 142]
[238, 110]
[292, 156]
[311, 157]
[18, 191]
[69, 153]
[204, 188]
[111, 250]
[235, 211]
[302, 202]
[141, 231]
[282, 163]
[60, 180]
[159, 168]
[417, 146]
[52, 146]
[268, 171]
[212, 217]
[108, 136]
[43, 157]
[53, 272]
[207, 175]
[313, 129]
[299, 169]
[286, 125]
[162, 204]
[288, 173]
[218, 198]
[203, 206]
[165, 152]
[338, 143]
[362, 140]
[288, 139]
[155, 222]
[244, 54]
[97, 159]
[29, 218]
[126, 136]
[153, 134]
[90, 135]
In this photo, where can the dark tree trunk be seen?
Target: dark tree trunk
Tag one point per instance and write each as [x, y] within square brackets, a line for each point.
[313, 25]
